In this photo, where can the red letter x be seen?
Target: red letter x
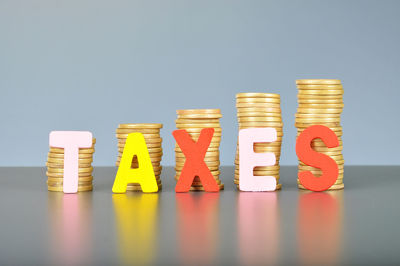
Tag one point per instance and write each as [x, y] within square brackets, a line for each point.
[194, 163]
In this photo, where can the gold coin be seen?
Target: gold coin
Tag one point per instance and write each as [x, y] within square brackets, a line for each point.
[197, 122]
[337, 133]
[60, 183]
[216, 134]
[259, 119]
[61, 161]
[317, 115]
[146, 136]
[320, 100]
[257, 100]
[319, 143]
[61, 155]
[318, 81]
[61, 165]
[260, 124]
[243, 115]
[60, 179]
[61, 170]
[303, 96]
[60, 189]
[317, 120]
[333, 128]
[322, 106]
[137, 130]
[325, 149]
[257, 95]
[316, 170]
[259, 109]
[209, 125]
[258, 105]
[257, 114]
[322, 123]
[61, 174]
[319, 111]
[320, 87]
[61, 150]
[141, 126]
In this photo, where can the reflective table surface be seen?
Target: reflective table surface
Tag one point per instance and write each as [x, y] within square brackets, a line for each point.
[358, 225]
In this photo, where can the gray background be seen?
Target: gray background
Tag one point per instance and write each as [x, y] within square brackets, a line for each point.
[89, 65]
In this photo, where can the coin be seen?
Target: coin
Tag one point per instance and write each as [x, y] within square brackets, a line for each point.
[258, 95]
[318, 81]
[141, 126]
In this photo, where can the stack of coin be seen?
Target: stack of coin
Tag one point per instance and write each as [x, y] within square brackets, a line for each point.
[321, 103]
[151, 133]
[260, 110]
[55, 169]
[193, 121]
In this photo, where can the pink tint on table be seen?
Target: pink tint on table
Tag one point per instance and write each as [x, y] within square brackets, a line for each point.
[258, 228]
[71, 232]
[197, 227]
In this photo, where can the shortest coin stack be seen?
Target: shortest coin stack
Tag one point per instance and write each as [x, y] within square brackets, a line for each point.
[151, 133]
[55, 169]
[193, 121]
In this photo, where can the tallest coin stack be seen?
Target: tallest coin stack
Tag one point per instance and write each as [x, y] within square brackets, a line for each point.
[321, 103]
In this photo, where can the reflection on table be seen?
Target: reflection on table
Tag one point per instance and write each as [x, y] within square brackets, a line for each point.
[320, 227]
[197, 227]
[70, 218]
[258, 228]
[136, 219]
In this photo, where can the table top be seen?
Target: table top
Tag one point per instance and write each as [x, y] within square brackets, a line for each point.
[357, 225]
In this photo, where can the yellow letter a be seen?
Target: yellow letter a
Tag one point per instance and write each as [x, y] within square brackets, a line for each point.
[144, 174]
